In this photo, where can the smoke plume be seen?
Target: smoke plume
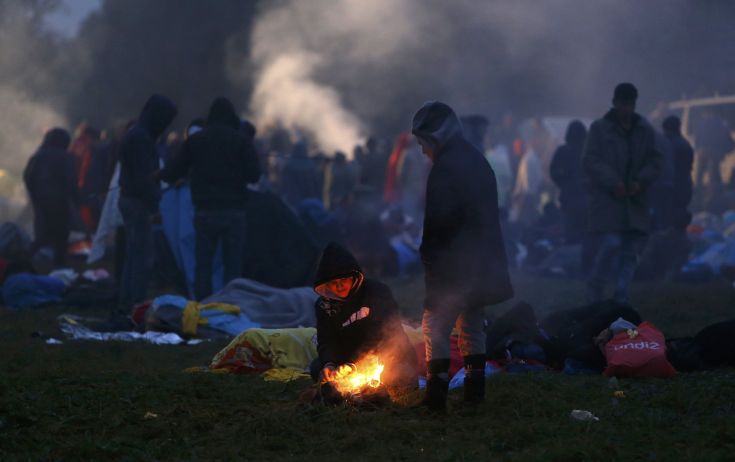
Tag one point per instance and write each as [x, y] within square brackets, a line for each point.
[350, 68]
[26, 55]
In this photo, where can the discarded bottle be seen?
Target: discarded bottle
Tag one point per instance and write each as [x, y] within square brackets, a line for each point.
[583, 416]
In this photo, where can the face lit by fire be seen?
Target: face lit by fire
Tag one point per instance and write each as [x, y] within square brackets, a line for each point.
[338, 289]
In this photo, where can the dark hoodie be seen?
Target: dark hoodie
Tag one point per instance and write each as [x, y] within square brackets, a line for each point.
[462, 249]
[566, 167]
[220, 160]
[139, 158]
[368, 321]
[50, 175]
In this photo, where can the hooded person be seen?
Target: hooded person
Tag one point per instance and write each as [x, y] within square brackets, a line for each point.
[51, 180]
[566, 172]
[220, 161]
[683, 156]
[140, 194]
[622, 162]
[462, 251]
[357, 316]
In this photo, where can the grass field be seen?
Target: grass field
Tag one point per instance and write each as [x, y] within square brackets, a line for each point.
[88, 401]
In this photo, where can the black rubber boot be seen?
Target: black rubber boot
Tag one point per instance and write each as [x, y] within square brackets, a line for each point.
[474, 378]
[437, 385]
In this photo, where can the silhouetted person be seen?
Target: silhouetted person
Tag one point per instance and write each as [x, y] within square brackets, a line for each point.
[373, 167]
[340, 180]
[713, 142]
[683, 156]
[621, 162]
[662, 189]
[84, 147]
[567, 174]
[51, 180]
[220, 161]
[140, 194]
[299, 178]
[462, 251]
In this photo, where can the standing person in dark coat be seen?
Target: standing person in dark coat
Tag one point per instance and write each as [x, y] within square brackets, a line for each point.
[566, 172]
[51, 180]
[462, 251]
[299, 180]
[621, 161]
[221, 162]
[683, 155]
[140, 194]
[356, 316]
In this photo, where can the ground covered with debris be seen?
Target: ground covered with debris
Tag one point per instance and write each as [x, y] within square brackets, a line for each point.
[132, 401]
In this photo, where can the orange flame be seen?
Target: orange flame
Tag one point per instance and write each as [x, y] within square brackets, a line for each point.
[351, 379]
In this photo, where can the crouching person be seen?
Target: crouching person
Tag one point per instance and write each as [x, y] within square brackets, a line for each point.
[355, 317]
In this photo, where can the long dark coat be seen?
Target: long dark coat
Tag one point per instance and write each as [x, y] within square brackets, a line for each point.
[611, 157]
[462, 248]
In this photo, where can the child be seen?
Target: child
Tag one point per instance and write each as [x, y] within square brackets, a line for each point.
[356, 316]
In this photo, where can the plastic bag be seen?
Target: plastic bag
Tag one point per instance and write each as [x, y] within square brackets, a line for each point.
[639, 353]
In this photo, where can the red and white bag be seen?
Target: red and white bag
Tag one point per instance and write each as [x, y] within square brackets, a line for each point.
[638, 353]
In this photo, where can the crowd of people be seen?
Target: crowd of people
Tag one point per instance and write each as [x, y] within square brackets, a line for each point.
[459, 198]
[372, 200]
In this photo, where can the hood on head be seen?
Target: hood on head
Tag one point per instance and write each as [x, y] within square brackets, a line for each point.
[56, 138]
[576, 133]
[436, 123]
[157, 114]
[222, 112]
[336, 262]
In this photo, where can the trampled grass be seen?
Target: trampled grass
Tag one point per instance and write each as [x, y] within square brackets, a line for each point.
[89, 401]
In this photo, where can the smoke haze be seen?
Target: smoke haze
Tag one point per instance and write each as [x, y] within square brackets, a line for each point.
[346, 70]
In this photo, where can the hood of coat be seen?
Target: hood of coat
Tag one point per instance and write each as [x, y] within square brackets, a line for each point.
[336, 262]
[157, 114]
[436, 124]
[576, 133]
[56, 138]
[222, 112]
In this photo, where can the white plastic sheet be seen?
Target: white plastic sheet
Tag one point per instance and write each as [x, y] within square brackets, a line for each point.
[75, 331]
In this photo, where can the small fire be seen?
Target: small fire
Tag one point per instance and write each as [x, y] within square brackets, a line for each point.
[353, 379]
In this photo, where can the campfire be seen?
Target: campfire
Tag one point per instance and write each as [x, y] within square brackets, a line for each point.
[362, 377]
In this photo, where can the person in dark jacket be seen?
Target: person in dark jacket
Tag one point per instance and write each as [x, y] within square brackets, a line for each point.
[356, 316]
[51, 180]
[140, 193]
[299, 179]
[621, 161]
[683, 155]
[221, 162]
[566, 172]
[462, 251]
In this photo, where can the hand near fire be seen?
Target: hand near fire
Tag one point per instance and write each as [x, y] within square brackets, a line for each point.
[329, 373]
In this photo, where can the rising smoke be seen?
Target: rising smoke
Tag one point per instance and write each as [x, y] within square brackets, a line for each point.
[26, 55]
[350, 68]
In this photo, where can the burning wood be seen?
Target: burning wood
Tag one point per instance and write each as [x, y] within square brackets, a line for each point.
[358, 378]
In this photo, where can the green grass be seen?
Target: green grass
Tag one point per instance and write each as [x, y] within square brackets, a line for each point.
[87, 401]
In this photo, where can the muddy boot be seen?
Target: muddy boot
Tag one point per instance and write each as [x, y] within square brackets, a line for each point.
[474, 378]
[437, 385]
